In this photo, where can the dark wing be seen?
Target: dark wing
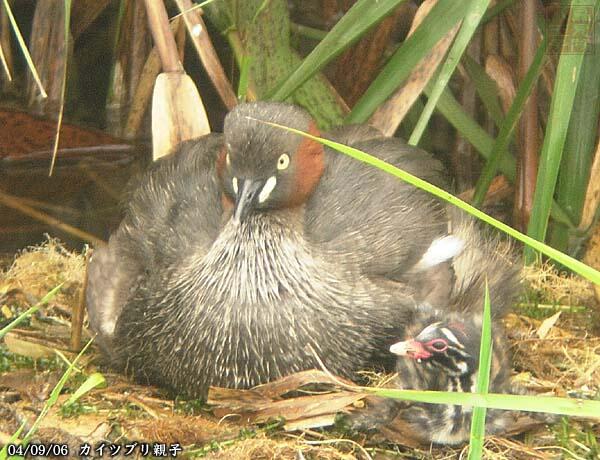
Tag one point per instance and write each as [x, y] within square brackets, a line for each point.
[382, 223]
[174, 210]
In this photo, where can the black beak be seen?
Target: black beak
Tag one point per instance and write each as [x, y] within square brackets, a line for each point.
[245, 199]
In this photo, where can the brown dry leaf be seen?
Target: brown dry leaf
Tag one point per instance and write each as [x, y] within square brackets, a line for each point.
[295, 381]
[91, 428]
[20, 346]
[592, 199]
[592, 254]
[501, 72]
[265, 402]
[31, 385]
[34, 344]
[289, 409]
[547, 324]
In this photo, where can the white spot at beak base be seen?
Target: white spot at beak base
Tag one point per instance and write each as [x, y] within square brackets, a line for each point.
[267, 189]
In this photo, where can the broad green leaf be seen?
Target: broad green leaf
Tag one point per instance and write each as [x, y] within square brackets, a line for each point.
[244, 72]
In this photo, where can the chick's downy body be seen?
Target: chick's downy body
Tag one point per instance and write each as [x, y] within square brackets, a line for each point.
[439, 348]
[242, 256]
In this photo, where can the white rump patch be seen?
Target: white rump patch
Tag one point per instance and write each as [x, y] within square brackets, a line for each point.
[267, 189]
[441, 250]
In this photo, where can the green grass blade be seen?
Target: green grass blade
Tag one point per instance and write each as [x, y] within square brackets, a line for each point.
[470, 23]
[483, 380]
[442, 17]
[575, 265]
[55, 394]
[24, 49]
[14, 439]
[94, 380]
[546, 404]
[363, 15]
[19, 319]
[508, 125]
[565, 86]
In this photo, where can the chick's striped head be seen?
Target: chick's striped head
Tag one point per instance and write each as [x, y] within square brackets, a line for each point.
[449, 345]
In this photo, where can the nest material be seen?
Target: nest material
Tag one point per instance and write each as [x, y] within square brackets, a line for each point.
[571, 362]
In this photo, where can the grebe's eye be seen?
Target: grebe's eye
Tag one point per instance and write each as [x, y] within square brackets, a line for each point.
[438, 345]
[283, 162]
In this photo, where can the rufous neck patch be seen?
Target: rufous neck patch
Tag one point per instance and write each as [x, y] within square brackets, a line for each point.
[309, 167]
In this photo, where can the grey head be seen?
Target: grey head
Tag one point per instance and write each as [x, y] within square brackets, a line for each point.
[265, 167]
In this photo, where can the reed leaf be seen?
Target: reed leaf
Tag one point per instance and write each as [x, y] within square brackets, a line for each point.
[442, 17]
[483, 380]
[486, 88]
[449, 107]
[579, 147]
[508, 125]
[473, 16]
[573, 264]
[363, 15]
[563, 96]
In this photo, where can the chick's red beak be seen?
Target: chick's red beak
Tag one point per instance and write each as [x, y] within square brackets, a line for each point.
[411, 348]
